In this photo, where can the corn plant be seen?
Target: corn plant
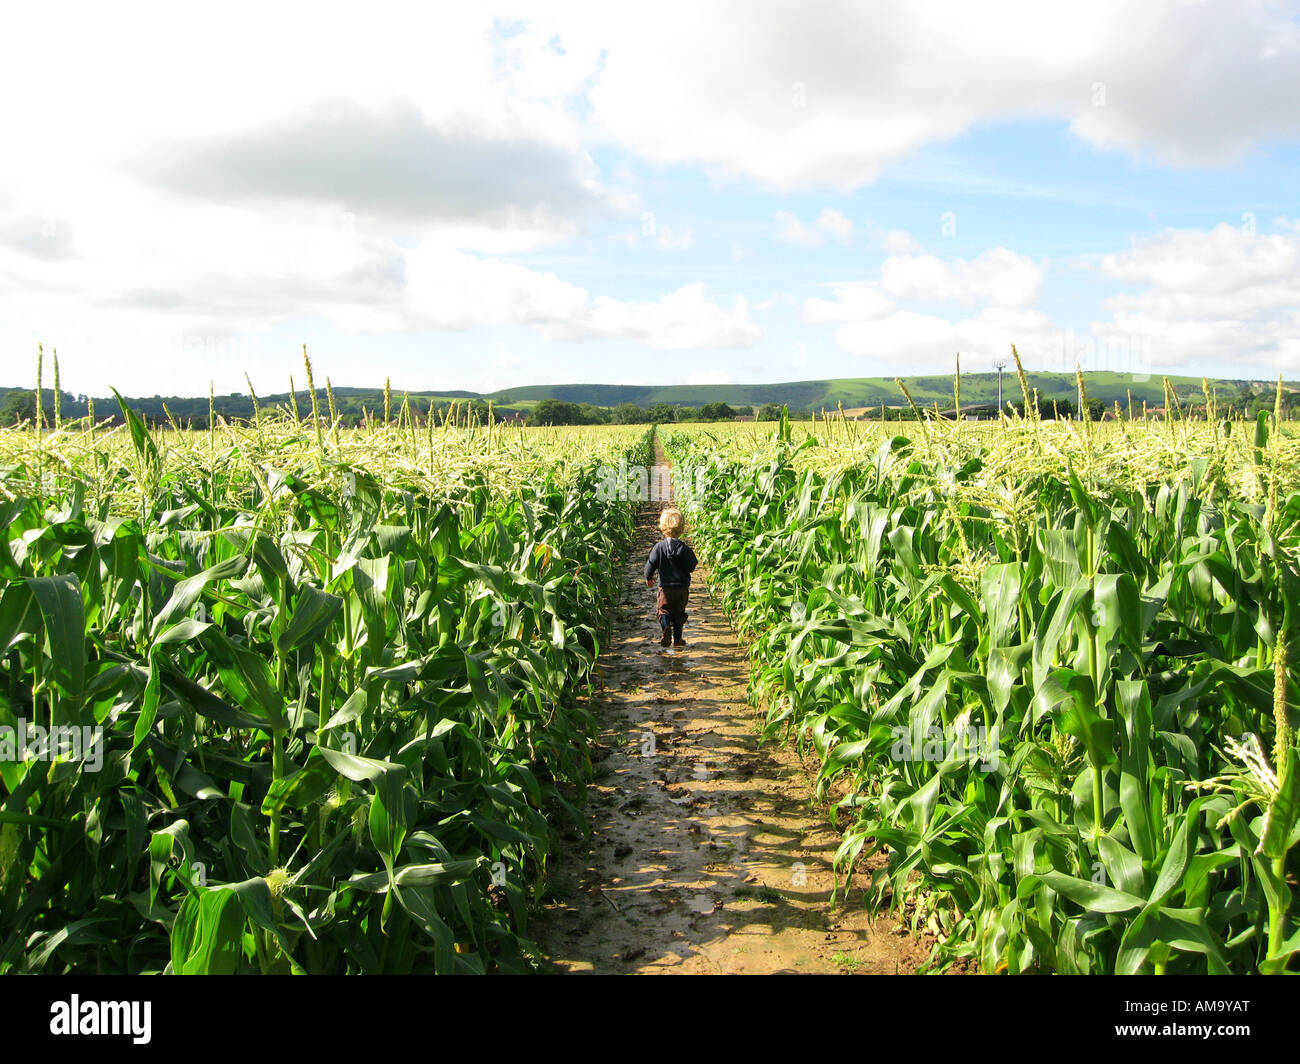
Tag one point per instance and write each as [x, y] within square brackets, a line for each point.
[333, 683]
[1111, 622]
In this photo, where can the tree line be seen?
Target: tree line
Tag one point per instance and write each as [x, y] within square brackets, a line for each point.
[18, 405]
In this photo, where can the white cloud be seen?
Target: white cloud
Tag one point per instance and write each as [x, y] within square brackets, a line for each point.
[687, 319]
[453, 290]
[1224, 294]
[998, 276]
[792, 231]
[901, 242]
[665, 238]
[854, 301]
[392, 162]
[504, 359]
[875, 324]
[674, 240]
[834, 224]
[903, 339]
[828, 93]
[185, 318]
[1224, 263]
[907, 342]
[830, 224]
[273, 161]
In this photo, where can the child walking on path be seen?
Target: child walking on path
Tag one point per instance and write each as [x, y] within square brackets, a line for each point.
[674, 561]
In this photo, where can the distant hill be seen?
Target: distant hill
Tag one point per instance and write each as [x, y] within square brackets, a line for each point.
[853, 393]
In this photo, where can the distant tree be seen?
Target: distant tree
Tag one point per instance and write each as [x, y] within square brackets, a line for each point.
[664, 414]
[1096, 409]
[716, 412]
[555, 412]
[630, 414]
[593, 415]
[19, 405]
[769, 412]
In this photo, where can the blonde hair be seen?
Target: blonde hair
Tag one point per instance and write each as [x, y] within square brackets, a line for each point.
[671, 521]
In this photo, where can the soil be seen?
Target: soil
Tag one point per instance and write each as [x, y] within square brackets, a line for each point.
[707, 853]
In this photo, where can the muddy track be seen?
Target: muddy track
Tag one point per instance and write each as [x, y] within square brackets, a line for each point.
[706, 854]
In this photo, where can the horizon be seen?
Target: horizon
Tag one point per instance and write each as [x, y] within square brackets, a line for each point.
[504, 396]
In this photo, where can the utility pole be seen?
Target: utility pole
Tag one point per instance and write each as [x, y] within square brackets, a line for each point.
[1000, 365]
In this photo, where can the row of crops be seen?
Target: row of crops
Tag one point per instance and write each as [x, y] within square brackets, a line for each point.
[283, 698]
[1049, 673]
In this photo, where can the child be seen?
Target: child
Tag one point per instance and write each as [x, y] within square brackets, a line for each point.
[674, 561]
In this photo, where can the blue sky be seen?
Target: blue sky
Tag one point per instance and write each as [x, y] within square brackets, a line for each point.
[490, 197]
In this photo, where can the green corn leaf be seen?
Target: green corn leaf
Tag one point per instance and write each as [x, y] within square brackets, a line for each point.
[1284, 810]
[1070, 697]
[207, 937]
[302, 787]
[313, 612]
[203, 701]
[148, 704]
[188, 591]
[247, 677]
[389, 813]
[357, 768]
[1123, 866]
[1119, 610]
[19, 614]
[1095, 897]
[145, 448]
[421, 875]
[59, 600]
[1000, 587]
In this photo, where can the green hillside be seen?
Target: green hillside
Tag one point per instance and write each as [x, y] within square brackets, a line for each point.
[976, 389]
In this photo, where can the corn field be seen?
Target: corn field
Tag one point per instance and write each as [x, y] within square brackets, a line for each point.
[318, 689]
[1049, 673]
[325, 680]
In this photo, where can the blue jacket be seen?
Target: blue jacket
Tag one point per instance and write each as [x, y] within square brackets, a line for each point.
[675, 562]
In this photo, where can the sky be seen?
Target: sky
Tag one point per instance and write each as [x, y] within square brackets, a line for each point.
[482, 197]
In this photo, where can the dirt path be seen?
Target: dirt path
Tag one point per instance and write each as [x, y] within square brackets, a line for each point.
[706, 855]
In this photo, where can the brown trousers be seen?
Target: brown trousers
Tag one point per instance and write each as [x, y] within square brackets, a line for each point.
[670, 608]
